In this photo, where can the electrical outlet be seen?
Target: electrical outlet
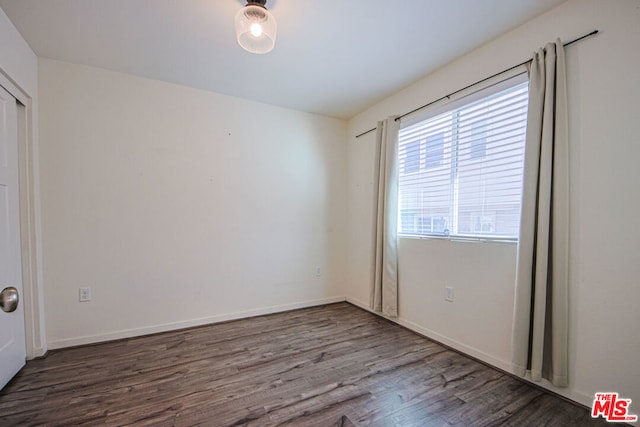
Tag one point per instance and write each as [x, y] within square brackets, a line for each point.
[318, 271]
[84, 294]
[449, 296]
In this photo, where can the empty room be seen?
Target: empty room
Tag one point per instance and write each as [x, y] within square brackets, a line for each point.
[319, 213]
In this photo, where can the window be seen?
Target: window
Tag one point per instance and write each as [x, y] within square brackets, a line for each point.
[461, 169]
[434, 148]
[479, 139]
[411, 160]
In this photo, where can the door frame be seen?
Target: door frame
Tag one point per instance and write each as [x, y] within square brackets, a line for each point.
[30, 223]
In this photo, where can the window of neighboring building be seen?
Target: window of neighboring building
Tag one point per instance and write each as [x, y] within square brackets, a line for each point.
[478, 139]
[434, 150]
[411, 159]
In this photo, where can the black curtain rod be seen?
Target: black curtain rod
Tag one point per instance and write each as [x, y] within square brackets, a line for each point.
[478, 82]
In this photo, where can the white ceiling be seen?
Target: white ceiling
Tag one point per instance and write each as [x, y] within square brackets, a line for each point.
[332, 57]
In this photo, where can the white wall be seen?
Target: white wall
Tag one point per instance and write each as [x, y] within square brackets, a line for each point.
[604, 92]
[17, 60]
[180, 207]
[19, 72]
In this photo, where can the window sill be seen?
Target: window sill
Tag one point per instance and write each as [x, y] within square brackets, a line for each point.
[494, 240]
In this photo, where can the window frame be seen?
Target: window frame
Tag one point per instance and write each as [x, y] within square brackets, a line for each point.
[488, 89]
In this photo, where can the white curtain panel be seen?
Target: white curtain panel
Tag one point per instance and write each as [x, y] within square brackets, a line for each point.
[384, 286]
[540, 326]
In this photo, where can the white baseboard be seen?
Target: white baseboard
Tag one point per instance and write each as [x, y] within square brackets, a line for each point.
[146, 330]
[36, 353]
[471, 351]
[571, 394]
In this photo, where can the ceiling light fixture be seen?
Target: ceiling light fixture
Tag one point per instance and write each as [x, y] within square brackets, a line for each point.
[256, 27]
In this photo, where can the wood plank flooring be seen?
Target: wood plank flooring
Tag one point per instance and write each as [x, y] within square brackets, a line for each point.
[323, 366]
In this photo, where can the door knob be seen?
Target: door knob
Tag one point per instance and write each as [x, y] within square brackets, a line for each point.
[9, 299]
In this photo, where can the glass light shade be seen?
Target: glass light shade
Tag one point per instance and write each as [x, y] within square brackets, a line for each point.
[256, 29]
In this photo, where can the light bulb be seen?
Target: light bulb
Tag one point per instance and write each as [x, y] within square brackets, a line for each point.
[256, 29]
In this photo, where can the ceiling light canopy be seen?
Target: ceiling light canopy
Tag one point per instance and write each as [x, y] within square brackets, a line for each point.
[256, 27]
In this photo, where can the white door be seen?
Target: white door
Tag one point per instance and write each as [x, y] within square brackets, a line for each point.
[12, 338]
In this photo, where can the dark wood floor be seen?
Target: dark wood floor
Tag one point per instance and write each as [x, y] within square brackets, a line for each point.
[324, 366]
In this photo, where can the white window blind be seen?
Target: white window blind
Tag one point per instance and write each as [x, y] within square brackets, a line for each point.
[461, 171]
